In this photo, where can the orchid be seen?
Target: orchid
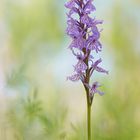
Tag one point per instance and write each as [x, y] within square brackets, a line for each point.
[85, 35]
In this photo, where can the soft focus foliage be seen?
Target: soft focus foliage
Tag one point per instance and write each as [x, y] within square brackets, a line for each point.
[36, 100]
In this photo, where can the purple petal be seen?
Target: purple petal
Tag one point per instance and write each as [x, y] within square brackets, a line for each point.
[74, 78]
[72, 29]
[96, 63]
[79, 56]
[87, 20]
[89, 7]
[98, 22]
[95, 33]
[94, 88]
[99, 69]
[80, 67]
[95, 85]
[78, 43]
[70, 4]
[97, 46]
[100, 92]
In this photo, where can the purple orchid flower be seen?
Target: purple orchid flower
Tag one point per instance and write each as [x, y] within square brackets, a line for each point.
[85, 35]
[85, 38]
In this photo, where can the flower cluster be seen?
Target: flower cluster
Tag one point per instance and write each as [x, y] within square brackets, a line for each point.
[82, 28]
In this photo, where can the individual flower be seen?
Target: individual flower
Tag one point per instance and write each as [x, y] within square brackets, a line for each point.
[78, 42]
[85, 19]
[74, 78]
[94, 89]
[95, 66]
[88, 7]
[70, 4]
[73, 28]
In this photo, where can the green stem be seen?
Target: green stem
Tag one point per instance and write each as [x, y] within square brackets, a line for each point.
[89, 120]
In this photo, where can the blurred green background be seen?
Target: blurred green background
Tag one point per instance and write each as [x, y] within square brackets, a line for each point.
[36, 101]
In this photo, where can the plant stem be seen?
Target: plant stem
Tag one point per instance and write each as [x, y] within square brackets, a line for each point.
[89, 120]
